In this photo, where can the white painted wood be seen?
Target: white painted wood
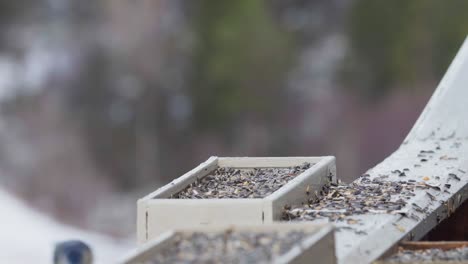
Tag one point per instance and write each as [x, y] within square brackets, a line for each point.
[142, 228]
[318, 246]
[180, 183]
[293, 192]
[167, 214]
[173, 187]
[255, 162]
[144, 252]
[442, 128]
[157, 213]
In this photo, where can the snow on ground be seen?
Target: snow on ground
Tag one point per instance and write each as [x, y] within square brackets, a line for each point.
[27, 236]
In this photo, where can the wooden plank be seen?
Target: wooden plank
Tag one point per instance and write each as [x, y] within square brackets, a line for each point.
[272, 162]
[180, 183]
[167, 214]
[144, 252]
[173, 187]
[445, 245]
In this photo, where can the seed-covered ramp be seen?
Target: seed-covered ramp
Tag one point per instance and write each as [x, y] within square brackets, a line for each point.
[411, 191]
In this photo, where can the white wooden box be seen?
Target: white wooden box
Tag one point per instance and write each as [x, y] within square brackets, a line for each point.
[317, 247]
[157, 213]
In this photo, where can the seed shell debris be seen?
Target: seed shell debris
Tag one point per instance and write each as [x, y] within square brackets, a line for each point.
[364, 196]
[227, 182]
[429, 255]
[227, 247]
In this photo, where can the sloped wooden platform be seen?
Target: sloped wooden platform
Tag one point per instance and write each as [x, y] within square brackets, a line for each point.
[434, 153]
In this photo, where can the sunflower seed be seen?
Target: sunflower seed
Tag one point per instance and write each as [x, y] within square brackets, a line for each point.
[227, 182]
[429, 255]
[227, 247]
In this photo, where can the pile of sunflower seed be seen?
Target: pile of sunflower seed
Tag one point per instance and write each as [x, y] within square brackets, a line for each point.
[227, 247]
[429, 255]
[225, 182]
[337, 201]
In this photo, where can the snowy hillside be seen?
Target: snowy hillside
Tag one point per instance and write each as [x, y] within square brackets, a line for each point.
[27, 236]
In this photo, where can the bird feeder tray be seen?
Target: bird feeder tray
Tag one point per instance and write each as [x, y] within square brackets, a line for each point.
[272, 243]
[233, 190]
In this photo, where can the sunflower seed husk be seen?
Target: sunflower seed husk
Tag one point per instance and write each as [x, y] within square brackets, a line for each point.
[227, 182]
[227, 247]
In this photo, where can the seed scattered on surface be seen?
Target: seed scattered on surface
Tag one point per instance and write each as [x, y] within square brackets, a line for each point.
[227, 182]
[414, 217]
[427, 151]
[418, 208]
[363, 196]
[445, 157]
[432, 197]
[360, 232]
[453, 175]
[429, 255]
[227, 247]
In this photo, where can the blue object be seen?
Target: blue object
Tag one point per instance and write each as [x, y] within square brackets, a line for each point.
[72, 252]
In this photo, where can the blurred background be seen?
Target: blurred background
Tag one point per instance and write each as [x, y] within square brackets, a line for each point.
[104, 101]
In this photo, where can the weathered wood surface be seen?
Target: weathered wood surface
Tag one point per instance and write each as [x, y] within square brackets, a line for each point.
[435, 152]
